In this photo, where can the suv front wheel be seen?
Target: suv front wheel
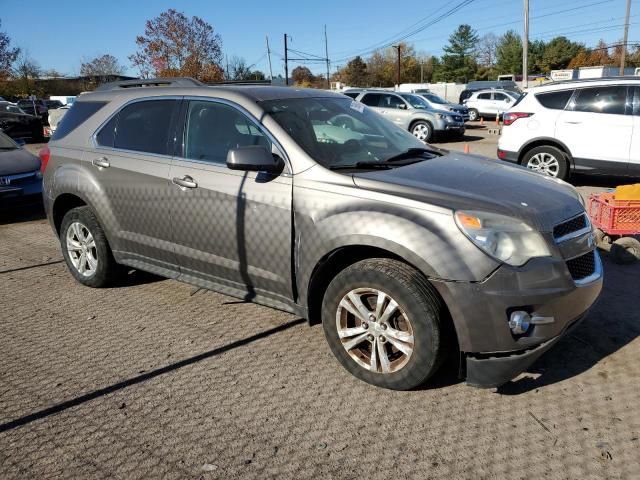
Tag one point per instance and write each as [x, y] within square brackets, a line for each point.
[547, 160]
[422, 131]
[382, 320]
[85, 249]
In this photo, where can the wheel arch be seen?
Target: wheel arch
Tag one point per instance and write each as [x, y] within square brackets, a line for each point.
[62, 204]
[545, 142]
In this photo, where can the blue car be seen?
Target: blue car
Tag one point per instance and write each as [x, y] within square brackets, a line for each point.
[20, 176]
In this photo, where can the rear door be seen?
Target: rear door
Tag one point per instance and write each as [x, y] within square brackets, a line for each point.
[484, 103]
[501, 102]
[597, 127]
[131, 163]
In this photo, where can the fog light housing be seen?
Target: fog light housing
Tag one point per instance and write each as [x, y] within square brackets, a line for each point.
[519, 322]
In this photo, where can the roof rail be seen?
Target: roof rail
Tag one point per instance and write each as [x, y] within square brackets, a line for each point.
[623, 78]
[150, 82]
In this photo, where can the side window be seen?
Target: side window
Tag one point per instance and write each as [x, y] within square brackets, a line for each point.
[500, 97]
[371, 99]
[391, 101]
[352, 94]
[555, 100]
[636, 100]
[609, 100]
[213, 129]
[484, 96]
[144, 126]
[80, 112]
[107, 134]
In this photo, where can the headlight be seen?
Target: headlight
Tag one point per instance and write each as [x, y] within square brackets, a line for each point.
[504, 238]
[444, 117]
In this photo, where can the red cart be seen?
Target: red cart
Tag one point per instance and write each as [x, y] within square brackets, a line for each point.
[615, 222]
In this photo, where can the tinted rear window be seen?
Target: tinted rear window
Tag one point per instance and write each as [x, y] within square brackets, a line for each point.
[144, 126]
[555, 100]
[371, 99]
[77, 114]
[352, 94]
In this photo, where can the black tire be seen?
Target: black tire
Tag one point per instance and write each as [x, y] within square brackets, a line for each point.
[557, 154]
[107, 270]
[625, 250]
[473, 115]
[416, 298]
[422, 130]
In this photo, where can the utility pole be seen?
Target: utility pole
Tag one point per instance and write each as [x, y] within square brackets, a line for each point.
[421, 71]
[398, 47]
[326, 55]
[269, 56]
[626, 36]
[286, 62]
[226, 59]
[525, 47]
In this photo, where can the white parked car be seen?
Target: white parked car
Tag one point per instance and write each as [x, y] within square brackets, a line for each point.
[583, 125]
[490, 103]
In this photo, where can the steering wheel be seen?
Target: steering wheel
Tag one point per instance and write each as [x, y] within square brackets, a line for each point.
[343, 121]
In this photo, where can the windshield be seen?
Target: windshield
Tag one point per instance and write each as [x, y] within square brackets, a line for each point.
[415, 101]
[338, 132]
[435, 99]
[6, 143]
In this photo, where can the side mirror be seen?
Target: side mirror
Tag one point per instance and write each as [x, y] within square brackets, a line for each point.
[402, 106]
[20, 141]
[254, 158]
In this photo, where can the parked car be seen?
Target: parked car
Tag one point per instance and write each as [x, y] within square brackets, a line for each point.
[18, 124]
[589, 126]
[53, 104]
[309, 202]
[438, 103]
[55, 116]
[413, 113]
[41, 110]
[490, 103]
[20, 176]
[478, 85]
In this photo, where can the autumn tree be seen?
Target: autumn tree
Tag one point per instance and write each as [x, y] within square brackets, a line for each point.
[486, 50]
[558, 53]
[8, 55]
[176, 45]
[355, 73]
[302, 76]
[25, 73]
[102, 66]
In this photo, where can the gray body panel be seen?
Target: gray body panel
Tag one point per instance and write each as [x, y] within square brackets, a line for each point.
[260, 236]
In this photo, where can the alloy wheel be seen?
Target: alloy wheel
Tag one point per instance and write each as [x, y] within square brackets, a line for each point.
[81, 248]
[421, 132]
[374, 330]
[544, 163]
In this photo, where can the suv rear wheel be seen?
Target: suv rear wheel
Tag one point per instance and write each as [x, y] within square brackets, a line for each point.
[85, 249]
[381, 319]
[473, 114]
[547, 160]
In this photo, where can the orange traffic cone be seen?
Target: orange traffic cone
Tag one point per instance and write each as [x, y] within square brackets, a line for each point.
[481, 120]
[498, 119]
[466, 148]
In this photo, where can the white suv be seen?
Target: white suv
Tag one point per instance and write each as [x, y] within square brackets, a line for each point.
[590, 126]
[490, 103]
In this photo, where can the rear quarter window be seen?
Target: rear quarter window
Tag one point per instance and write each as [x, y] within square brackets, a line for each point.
[555, 100]
[77, 114]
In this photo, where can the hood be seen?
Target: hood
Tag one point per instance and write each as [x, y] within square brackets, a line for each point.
[17, 161]
[458, 181]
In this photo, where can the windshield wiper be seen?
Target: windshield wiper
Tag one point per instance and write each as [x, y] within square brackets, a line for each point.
[361, 165]
[413, 153]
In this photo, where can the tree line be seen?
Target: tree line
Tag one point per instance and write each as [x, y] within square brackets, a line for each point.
[468, 56]
[173, 44]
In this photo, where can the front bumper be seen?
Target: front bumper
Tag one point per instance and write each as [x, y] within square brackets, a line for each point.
[481, 310]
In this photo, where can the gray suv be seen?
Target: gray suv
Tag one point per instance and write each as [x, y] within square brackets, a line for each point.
[312, 203]
[411, 112]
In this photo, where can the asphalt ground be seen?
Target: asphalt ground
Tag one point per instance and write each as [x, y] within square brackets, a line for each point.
[156, 379]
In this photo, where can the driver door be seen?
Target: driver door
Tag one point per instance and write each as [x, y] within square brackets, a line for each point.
[230, 228]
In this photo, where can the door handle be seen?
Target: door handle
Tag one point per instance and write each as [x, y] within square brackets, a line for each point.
[573, 122]
[184, 182]
[101, 162]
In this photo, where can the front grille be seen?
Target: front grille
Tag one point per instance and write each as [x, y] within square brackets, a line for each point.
[457, 118]
[583, 266]
[570, 226]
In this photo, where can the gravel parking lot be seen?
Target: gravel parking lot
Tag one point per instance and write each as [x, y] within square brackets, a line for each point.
[155, 378]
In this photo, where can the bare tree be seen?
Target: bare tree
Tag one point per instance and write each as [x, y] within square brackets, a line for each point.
[487, 51]
[101, 66]
[8, 55]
